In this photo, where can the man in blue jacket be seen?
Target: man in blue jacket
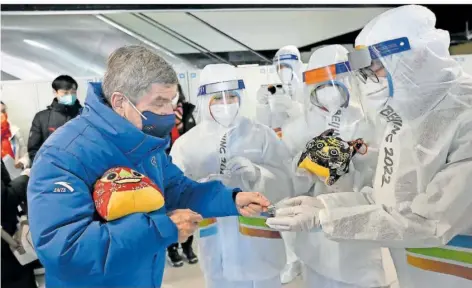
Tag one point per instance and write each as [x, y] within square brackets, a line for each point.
[123, 123]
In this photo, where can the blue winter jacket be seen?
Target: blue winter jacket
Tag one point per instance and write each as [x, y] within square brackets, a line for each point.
[75, 247]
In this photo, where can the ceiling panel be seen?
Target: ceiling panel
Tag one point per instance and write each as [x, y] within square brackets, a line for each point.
[42, 47]
[150, 32]
[196, 31]
[270, 30]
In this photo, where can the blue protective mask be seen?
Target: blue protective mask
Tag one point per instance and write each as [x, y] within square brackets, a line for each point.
[154, 124]
[68, 99]
[158, 125]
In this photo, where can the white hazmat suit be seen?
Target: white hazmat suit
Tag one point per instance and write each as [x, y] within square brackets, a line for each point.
[421, 203]
[235, 251]
[275, 110]
[333, 103]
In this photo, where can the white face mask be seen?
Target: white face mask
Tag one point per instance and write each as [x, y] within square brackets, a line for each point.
[285, 75]
[375, 95]
[330, 98]
[224, 114]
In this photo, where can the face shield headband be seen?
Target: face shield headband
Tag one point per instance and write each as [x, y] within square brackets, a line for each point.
[220, 91]
[368, 61]
[286, 61]
[342, 89]
[328, 76]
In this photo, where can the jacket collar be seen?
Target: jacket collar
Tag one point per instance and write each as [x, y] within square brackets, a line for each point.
[72, 110]
[124, 135]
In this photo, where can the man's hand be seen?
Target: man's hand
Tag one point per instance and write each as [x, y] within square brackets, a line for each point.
[251, 203]
[26, 172]
[19, 165]
[186, 221]
[296, 214]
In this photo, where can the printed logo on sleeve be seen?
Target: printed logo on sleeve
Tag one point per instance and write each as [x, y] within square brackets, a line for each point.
[63, 187]
[154, 161]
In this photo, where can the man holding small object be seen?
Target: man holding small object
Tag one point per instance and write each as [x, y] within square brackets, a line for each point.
[125, 123]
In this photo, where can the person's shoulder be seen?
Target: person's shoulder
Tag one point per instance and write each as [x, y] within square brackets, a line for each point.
[81, 142]
[77, 130]
[191, 135]
[43, 113]
[249, 128]
[254, 125]
[191, 138]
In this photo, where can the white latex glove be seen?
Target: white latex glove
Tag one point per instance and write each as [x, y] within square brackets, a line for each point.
[295, 219]
[263, 96]
[300, 201]
[241, 166]
[296, 214]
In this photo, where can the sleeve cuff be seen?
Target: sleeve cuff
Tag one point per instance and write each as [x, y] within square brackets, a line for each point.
[167, 229]
[235, 192]
[343, 199]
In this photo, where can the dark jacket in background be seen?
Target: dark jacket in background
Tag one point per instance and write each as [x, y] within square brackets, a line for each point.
[13, 194]
[47, 121]
[189, 122]
[187, 119]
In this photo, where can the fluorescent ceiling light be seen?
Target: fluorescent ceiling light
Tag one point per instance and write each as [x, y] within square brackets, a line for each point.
[248, 65]
[36, 44]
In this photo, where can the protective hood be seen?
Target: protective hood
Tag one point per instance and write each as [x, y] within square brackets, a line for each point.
[331, 91]
[219, 85]
[415, 89]
[289, 68]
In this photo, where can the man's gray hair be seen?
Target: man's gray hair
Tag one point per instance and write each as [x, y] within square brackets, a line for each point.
[132, 69]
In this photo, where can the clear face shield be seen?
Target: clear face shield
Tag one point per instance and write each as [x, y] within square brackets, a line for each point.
[220, 102]
[376, 68]
[329, 89]
[287, 67]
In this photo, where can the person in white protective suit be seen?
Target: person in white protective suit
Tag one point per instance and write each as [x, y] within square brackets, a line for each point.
[279, 105]
[420, 205]
[235, 251]
[332, 102]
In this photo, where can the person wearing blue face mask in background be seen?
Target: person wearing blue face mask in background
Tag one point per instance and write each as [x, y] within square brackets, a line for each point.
[63, 108]
[125, 123]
